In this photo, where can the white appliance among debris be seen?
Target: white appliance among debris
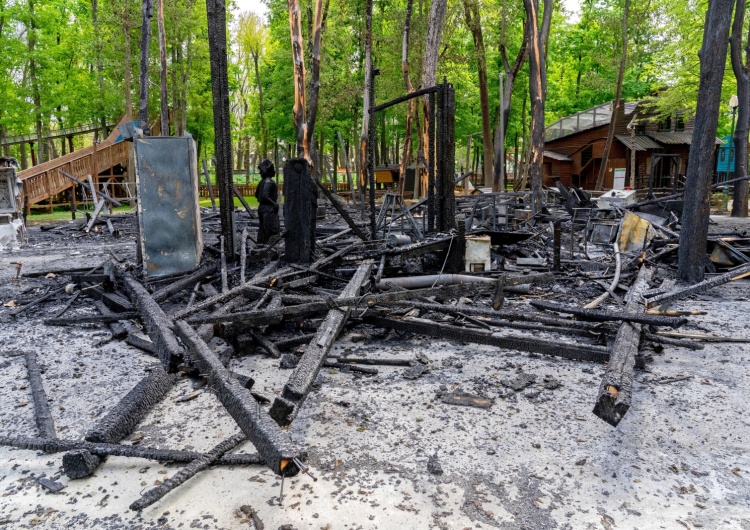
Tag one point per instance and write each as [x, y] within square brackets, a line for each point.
[477, 256]
[616, 198]
[12, 228]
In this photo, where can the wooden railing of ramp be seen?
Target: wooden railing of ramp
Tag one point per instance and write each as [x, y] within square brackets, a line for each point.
[46, 180]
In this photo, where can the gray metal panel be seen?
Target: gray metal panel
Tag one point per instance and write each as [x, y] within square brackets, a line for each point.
[167, 178]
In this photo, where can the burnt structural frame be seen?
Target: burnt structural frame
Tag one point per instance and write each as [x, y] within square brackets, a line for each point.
[440, 194]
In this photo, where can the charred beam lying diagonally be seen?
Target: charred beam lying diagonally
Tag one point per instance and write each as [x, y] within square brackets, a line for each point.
[616, 389]
[285, 408]
[132, 451]
[577, 352]
[603, 316]
[132, 408]
[199, 464]
[736, 274]
[270, 441]
[188, 281]
[158, 325]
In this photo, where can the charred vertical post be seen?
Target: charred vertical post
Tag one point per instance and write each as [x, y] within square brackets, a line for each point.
[556, 236]
[371, 139]
[217, 42]
[448, 159]
[300, 204]
[431, 165]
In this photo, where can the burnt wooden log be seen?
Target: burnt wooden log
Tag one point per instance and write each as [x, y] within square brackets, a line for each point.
[44, 422]
[616, 388]
[598, 315]
[285, 407]
[113, 301]
[188, 281]
[158, 325]
[132, 408]
[576, 352]
[131, 451]
[199, 464]
[292, 342]
[271, 442]
[142, 344]
[80, 463]
[267, 345]
[90, 319]
[721, 279]
[45, 297]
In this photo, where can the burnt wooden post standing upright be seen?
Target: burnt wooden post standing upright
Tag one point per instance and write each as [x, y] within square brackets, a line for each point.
[300, 205]
[445, 207]
[217, 42]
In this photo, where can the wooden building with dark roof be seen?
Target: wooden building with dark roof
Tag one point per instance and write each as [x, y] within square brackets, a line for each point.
[574, 148]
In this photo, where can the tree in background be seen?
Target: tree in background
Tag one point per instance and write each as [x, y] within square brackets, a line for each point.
[739, 205]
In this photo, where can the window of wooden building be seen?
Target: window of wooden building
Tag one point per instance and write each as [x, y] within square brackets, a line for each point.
[586, 155]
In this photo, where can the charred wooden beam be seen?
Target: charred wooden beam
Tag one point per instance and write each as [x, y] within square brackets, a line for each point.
[44, 422]
[678, 294]
[577, 352]
[142, 344]
[286, 407]
[158, 325]
[250, 287]
[291, 342]
[188, 281]
[132, 408]
[616, 388]
[598, 315]
[270, 441]
[90, 319]
[132, 451]
[199, 464]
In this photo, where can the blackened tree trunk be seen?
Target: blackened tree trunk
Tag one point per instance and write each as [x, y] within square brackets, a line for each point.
[741, 72]
[474, 23]
[617, 102]
[537, 92]
[318, 26]
[217, 43]
[128, 71]
[713, 53]
[146, 13]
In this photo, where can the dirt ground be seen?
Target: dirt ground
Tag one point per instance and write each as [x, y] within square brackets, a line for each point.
[388, 454]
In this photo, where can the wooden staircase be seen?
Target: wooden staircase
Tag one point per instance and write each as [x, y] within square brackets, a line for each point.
[45, 180]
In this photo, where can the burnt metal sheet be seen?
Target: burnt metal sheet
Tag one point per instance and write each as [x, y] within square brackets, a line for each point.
[166, 173]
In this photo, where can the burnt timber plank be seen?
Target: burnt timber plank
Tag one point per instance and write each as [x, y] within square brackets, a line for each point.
[576, 352]
[600, 315]
[44, 421]
[286, 407]
[158, 324]
[616, 388]
[703, 286]
[272, 443]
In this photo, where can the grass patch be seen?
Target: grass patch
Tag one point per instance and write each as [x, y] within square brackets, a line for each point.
[251, 201]
[64, 215]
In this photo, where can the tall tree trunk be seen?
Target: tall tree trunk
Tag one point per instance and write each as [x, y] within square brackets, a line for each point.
[261, 109]
[99, 66]
[128, 70]
[429, 75]
[147, 11]
[739, 205]
[318, 25]
[474, 23]
[35, 91]
[383, 143]
[537, 92]
[696, 209]
[185, 70]
[175, 91]
[616, 103]
[163, 71]
[303, 145]
[366, 103]
[511, 72]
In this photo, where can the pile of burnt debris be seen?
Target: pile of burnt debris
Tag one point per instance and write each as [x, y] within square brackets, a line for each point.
[585, 280]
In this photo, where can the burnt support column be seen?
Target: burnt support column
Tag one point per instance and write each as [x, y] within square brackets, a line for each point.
[300, 205]
[217, 42]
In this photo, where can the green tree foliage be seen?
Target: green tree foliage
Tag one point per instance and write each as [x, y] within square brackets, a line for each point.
[65, 46]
